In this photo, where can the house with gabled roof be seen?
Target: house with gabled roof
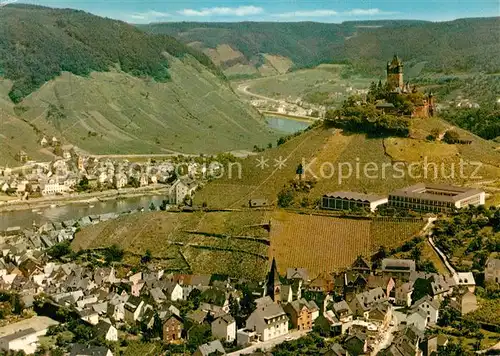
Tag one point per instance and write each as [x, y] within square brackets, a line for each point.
[361, 265]
[398, 268]
[343, 311]
[302, 313]
[297, 273]
[106, 330]
[362, 303]
[464, 281]
[430, 307]
[211, 348]
[268, 320]
[172, 328]
[224, 328]
[492, 270]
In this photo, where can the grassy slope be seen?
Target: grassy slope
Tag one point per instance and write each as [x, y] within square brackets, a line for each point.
[166, 235]
[195, 111]
[331, 147]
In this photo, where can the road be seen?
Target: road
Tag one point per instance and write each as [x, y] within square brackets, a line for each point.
[243, 88]
[438, 251]
[269, 344]
[387, 337]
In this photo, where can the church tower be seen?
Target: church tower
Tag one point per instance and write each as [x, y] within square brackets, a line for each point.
[273, 284]
[395, 74]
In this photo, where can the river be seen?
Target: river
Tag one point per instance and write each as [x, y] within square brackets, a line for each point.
[286, 125]
[25, 218]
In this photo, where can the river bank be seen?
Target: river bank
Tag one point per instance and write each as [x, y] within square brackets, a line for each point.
[79, 198]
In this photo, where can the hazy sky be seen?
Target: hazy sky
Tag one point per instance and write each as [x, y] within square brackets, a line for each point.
[142, 11]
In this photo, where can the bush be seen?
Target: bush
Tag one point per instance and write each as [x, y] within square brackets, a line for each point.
[60, 250]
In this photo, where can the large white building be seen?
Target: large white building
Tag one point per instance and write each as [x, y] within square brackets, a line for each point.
[23, 335]
[181, 189]
[52, 186]
[268, 320]
[351, 200]
[436, 197]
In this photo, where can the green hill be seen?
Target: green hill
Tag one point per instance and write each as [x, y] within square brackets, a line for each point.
[460, 45]
[328, 153]
[107, 87]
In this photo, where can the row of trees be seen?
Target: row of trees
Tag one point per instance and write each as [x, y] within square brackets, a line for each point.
[365, 118]
[470, 233]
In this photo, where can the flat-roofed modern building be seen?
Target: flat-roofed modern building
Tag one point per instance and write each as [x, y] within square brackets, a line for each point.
[351, 200]
[435, 197]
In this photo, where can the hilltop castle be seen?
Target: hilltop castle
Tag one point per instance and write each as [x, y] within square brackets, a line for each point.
[396, 85]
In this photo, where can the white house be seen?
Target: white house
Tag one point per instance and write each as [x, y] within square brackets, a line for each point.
[224, 328]
[430, 307]
[181, 189]
[52, 186]
[23, 335]
[465, 280]
[173, 291]
[268, 320]
[133, 310]
[43, 141]
[120, 180]
[491, 271]
[107, 331]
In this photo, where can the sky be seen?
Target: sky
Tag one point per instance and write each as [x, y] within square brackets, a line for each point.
[336, 11]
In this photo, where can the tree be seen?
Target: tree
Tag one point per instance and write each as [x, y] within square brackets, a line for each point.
[60, 249]
[146, 258]
[416, 253]
[195, 298]
[285, 198]
[134, 182]
[163, 205]
[199, 335]
[83, 185]
[447, 314]
[234, 307]
[113, 254]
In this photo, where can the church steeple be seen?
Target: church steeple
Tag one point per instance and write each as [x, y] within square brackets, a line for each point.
[273, 284]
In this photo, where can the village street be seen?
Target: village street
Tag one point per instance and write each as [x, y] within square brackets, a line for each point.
[270, 343]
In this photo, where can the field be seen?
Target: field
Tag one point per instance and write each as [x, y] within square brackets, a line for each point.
[235, 243]
[325, 84]
[325, 244]
[197, 242]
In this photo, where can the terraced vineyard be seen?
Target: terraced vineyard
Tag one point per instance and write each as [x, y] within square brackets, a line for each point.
[390, 232]
[214, 242]
[325, 244]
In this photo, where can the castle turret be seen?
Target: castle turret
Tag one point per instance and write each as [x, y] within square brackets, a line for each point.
[395, 74]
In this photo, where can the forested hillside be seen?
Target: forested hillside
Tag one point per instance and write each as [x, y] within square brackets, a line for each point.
[460, 45]
[38, 43]
[108, 87]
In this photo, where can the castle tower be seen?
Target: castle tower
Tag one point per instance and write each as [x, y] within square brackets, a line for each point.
[273, 284]
[395, 74]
